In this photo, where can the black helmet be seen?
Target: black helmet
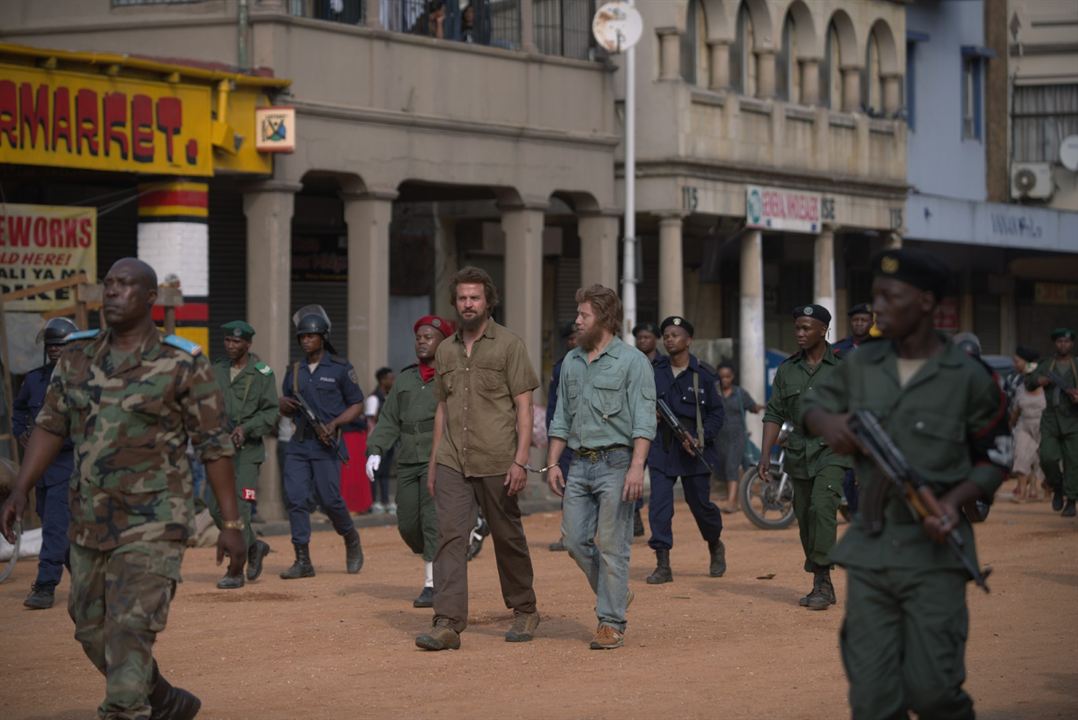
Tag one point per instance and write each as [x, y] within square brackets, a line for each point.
[57, 331]
[312, 324]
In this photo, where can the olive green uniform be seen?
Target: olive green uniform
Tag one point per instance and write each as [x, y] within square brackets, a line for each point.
[408, 416]
[816, 471]
[1059, 427]
[250, 403]
[904, 636]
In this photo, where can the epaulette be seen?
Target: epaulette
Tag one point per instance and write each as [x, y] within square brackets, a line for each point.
[191, 348]
[83, 335]
[789, 358]
[409, 367]
[263, 368]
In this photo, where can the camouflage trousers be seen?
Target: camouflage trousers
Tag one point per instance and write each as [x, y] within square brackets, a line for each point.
[119, 602]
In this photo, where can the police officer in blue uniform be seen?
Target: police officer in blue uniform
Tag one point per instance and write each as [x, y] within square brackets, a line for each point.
[569, 333]
[689, 389]
[51, 490]
[328, 385]
[860, 319]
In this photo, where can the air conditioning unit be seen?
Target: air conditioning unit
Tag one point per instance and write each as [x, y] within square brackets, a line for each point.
[1031, 180]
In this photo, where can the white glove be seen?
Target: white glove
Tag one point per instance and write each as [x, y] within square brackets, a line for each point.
[373, 462]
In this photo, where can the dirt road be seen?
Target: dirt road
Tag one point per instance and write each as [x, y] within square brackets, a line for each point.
[736, 647]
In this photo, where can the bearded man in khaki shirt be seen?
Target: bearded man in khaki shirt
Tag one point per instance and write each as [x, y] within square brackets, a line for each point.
[482, 432]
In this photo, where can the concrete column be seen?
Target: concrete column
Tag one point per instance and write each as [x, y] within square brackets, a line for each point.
[810, 82]
[752, 371]
[368, 216]
[851, 89]
[671, 268]
[372, 13]
[765, 74]
[719, 59]
[823, 265]
[599, 250]
[446, 264]
[527, 26]
[892, 94]
[669, 53]
[268, 208]
[523, 290]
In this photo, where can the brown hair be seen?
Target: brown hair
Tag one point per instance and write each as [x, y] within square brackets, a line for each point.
[471, 275]
[606, 304]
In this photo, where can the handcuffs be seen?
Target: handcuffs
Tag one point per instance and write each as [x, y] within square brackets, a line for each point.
[529, 468]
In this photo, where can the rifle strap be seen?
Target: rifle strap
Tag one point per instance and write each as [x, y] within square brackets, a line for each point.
[696, 402]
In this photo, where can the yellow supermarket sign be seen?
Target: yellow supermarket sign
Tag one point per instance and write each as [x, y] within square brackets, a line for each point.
[63, 118]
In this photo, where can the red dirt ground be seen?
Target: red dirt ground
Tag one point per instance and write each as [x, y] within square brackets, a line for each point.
[736, 647]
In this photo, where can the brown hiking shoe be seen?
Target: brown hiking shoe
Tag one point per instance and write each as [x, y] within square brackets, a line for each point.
[523, 627]
[607, 638]
[440, 637]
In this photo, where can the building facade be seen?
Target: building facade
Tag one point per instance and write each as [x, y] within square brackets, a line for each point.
[423, 143]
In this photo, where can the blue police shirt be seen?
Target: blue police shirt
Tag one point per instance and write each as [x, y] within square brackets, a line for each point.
[27, 405]
[330, 390]
[666, 454]
[844, 347]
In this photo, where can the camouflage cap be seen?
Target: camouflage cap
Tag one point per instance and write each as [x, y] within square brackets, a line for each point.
[239, 329]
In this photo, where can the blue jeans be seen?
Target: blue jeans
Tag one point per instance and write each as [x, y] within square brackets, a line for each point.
[598, 529]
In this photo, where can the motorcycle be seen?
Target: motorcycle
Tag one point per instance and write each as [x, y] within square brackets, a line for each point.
[769, 504]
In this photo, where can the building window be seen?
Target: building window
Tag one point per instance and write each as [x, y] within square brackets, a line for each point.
[742, 57]
[563, 27]
[831, 71]
[485, 22]
[911, 98]
[694, 64]
[873, 82]
[971, 98]
[787, 69]
[1042, 116]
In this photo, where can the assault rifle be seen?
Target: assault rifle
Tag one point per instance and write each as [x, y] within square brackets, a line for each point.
[680, 433]
[321, 432]
[878, 446]
[1060, 385]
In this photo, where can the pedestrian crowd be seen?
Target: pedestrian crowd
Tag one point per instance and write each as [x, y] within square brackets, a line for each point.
[108, 421]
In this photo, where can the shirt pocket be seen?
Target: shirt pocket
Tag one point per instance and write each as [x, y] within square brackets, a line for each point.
[490, 375]
[940, 441]
[608, 393]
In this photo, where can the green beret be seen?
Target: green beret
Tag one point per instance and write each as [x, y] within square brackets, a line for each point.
[239, 329]
[918, 268]
[1062, 332]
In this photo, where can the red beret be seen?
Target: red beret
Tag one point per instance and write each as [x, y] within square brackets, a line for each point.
[445, 327]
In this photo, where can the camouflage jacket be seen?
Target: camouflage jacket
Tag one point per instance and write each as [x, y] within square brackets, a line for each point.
[130, 424]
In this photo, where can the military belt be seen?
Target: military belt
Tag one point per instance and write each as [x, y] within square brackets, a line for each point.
[417, 428]
[597, 454]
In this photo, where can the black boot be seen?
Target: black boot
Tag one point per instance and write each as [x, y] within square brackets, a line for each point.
[255, 555]
[718, 558]
[171, 703]
[353, 552]
[425, 599]
[662, 573]
[302, 567]
[1068, 509]
[804, 601]
[824, 595]
[638, 524]
[1057, 498]
[41, 597]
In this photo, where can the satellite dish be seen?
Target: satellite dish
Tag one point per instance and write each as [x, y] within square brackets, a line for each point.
[1024, 180]
[1068, 152]
[617, 26]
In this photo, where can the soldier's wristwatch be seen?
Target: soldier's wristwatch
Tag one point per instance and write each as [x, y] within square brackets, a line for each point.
[233, 525]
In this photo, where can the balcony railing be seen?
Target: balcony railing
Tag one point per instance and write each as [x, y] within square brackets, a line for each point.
[561, 27]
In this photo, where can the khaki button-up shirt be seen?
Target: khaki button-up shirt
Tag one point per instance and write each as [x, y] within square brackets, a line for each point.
[480, 438]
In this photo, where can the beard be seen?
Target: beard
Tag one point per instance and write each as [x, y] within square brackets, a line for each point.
[589, 339]
[471, 323]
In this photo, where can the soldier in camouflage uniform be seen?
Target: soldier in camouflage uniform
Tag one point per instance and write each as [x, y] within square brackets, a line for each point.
[408, 415]
[250, 393]
[130, 401]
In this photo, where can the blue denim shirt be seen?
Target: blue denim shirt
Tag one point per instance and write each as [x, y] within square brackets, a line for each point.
[610, 401]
